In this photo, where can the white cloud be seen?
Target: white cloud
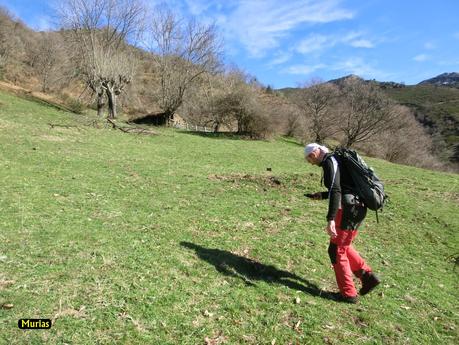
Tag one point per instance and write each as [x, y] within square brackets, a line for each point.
[362, 44]
[429, 45]
[261, 25]
[315, 42]
[198, 7]
[280, 58]
[302, 69]
[355, 39]
[421, 57]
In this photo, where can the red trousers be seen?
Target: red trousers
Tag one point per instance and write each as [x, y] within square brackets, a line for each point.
[345, 259]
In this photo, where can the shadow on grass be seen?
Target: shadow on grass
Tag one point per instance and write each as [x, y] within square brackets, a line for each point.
[249, 270]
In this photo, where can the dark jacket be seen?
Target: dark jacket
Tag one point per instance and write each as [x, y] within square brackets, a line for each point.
[340, 194]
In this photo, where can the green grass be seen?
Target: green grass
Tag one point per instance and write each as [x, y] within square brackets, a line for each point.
[178, 238]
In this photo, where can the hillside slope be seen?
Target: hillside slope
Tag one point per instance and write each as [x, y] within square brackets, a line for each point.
[182, 238]
[444, 79]
[437, 108]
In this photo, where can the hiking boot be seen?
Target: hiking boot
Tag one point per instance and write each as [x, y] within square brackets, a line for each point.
[336, 296]
[369, 282]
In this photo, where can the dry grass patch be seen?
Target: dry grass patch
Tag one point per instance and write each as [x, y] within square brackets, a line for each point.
[52, 138]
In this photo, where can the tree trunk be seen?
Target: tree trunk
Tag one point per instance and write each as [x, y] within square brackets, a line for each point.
[111, 103]
[350, 142]
[44, 85]
[168, 117]
[319, 139]
[100, 103]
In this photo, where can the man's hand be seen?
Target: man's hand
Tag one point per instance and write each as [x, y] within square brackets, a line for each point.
[331, 229]
[314, 196]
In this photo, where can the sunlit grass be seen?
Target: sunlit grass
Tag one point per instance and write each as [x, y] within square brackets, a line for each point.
[186, 239]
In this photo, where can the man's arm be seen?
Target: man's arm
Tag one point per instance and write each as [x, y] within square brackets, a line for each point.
[333, 183]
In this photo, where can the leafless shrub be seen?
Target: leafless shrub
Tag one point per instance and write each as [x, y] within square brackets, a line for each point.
[405, 143]
[202, 103]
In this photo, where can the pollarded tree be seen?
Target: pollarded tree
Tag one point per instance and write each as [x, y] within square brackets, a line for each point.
[100, 31]
[111, 72]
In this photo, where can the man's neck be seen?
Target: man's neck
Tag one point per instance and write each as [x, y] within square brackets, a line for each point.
[322, 156]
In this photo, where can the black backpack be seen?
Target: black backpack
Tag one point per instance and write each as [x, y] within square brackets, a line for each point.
[368, 187]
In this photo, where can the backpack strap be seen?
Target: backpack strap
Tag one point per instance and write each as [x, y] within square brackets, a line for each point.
[335, 168]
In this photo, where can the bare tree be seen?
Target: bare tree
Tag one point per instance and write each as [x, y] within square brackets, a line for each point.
[110, 73]
[183, 50]
[238, 100]
[5, 41]
[11, 46]
[201, 103]
[227, 100]
[50, 61]
[364, 111]
[317, 101]
[100, 32]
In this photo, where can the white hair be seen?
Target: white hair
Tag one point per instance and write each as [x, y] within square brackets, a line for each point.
[312, 147]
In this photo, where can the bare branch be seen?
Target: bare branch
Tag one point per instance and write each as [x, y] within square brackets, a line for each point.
[183, 51]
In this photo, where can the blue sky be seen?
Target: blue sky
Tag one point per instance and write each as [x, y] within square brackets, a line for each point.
[287, 42]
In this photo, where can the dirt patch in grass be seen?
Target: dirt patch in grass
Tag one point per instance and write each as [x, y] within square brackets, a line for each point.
[5, 283]
[266, 181]
[79, 314]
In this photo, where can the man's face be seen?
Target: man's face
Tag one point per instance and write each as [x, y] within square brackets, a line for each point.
[313, 157]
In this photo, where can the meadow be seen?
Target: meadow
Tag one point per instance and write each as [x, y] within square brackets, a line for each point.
[186, 238]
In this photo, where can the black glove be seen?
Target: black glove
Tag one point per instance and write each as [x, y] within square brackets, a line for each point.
[314, 196]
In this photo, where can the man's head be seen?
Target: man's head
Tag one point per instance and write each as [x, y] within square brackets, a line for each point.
[314, 153]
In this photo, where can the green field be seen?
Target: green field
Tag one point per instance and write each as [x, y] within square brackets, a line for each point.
[181, 238]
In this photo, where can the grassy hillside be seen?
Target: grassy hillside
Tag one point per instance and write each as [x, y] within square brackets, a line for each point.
[437, 101]
[185, 239]
[437, 108]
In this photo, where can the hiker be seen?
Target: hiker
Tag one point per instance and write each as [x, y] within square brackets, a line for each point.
[345, 215]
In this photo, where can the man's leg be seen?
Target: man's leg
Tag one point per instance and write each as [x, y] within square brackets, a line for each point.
[342, 268]
[361, 270]
[337, 251]
[358, 265]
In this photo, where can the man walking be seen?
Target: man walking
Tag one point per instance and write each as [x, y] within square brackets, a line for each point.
[345, 214]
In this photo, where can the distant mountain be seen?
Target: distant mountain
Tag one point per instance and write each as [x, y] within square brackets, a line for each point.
[342, 79]
[445, 79]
